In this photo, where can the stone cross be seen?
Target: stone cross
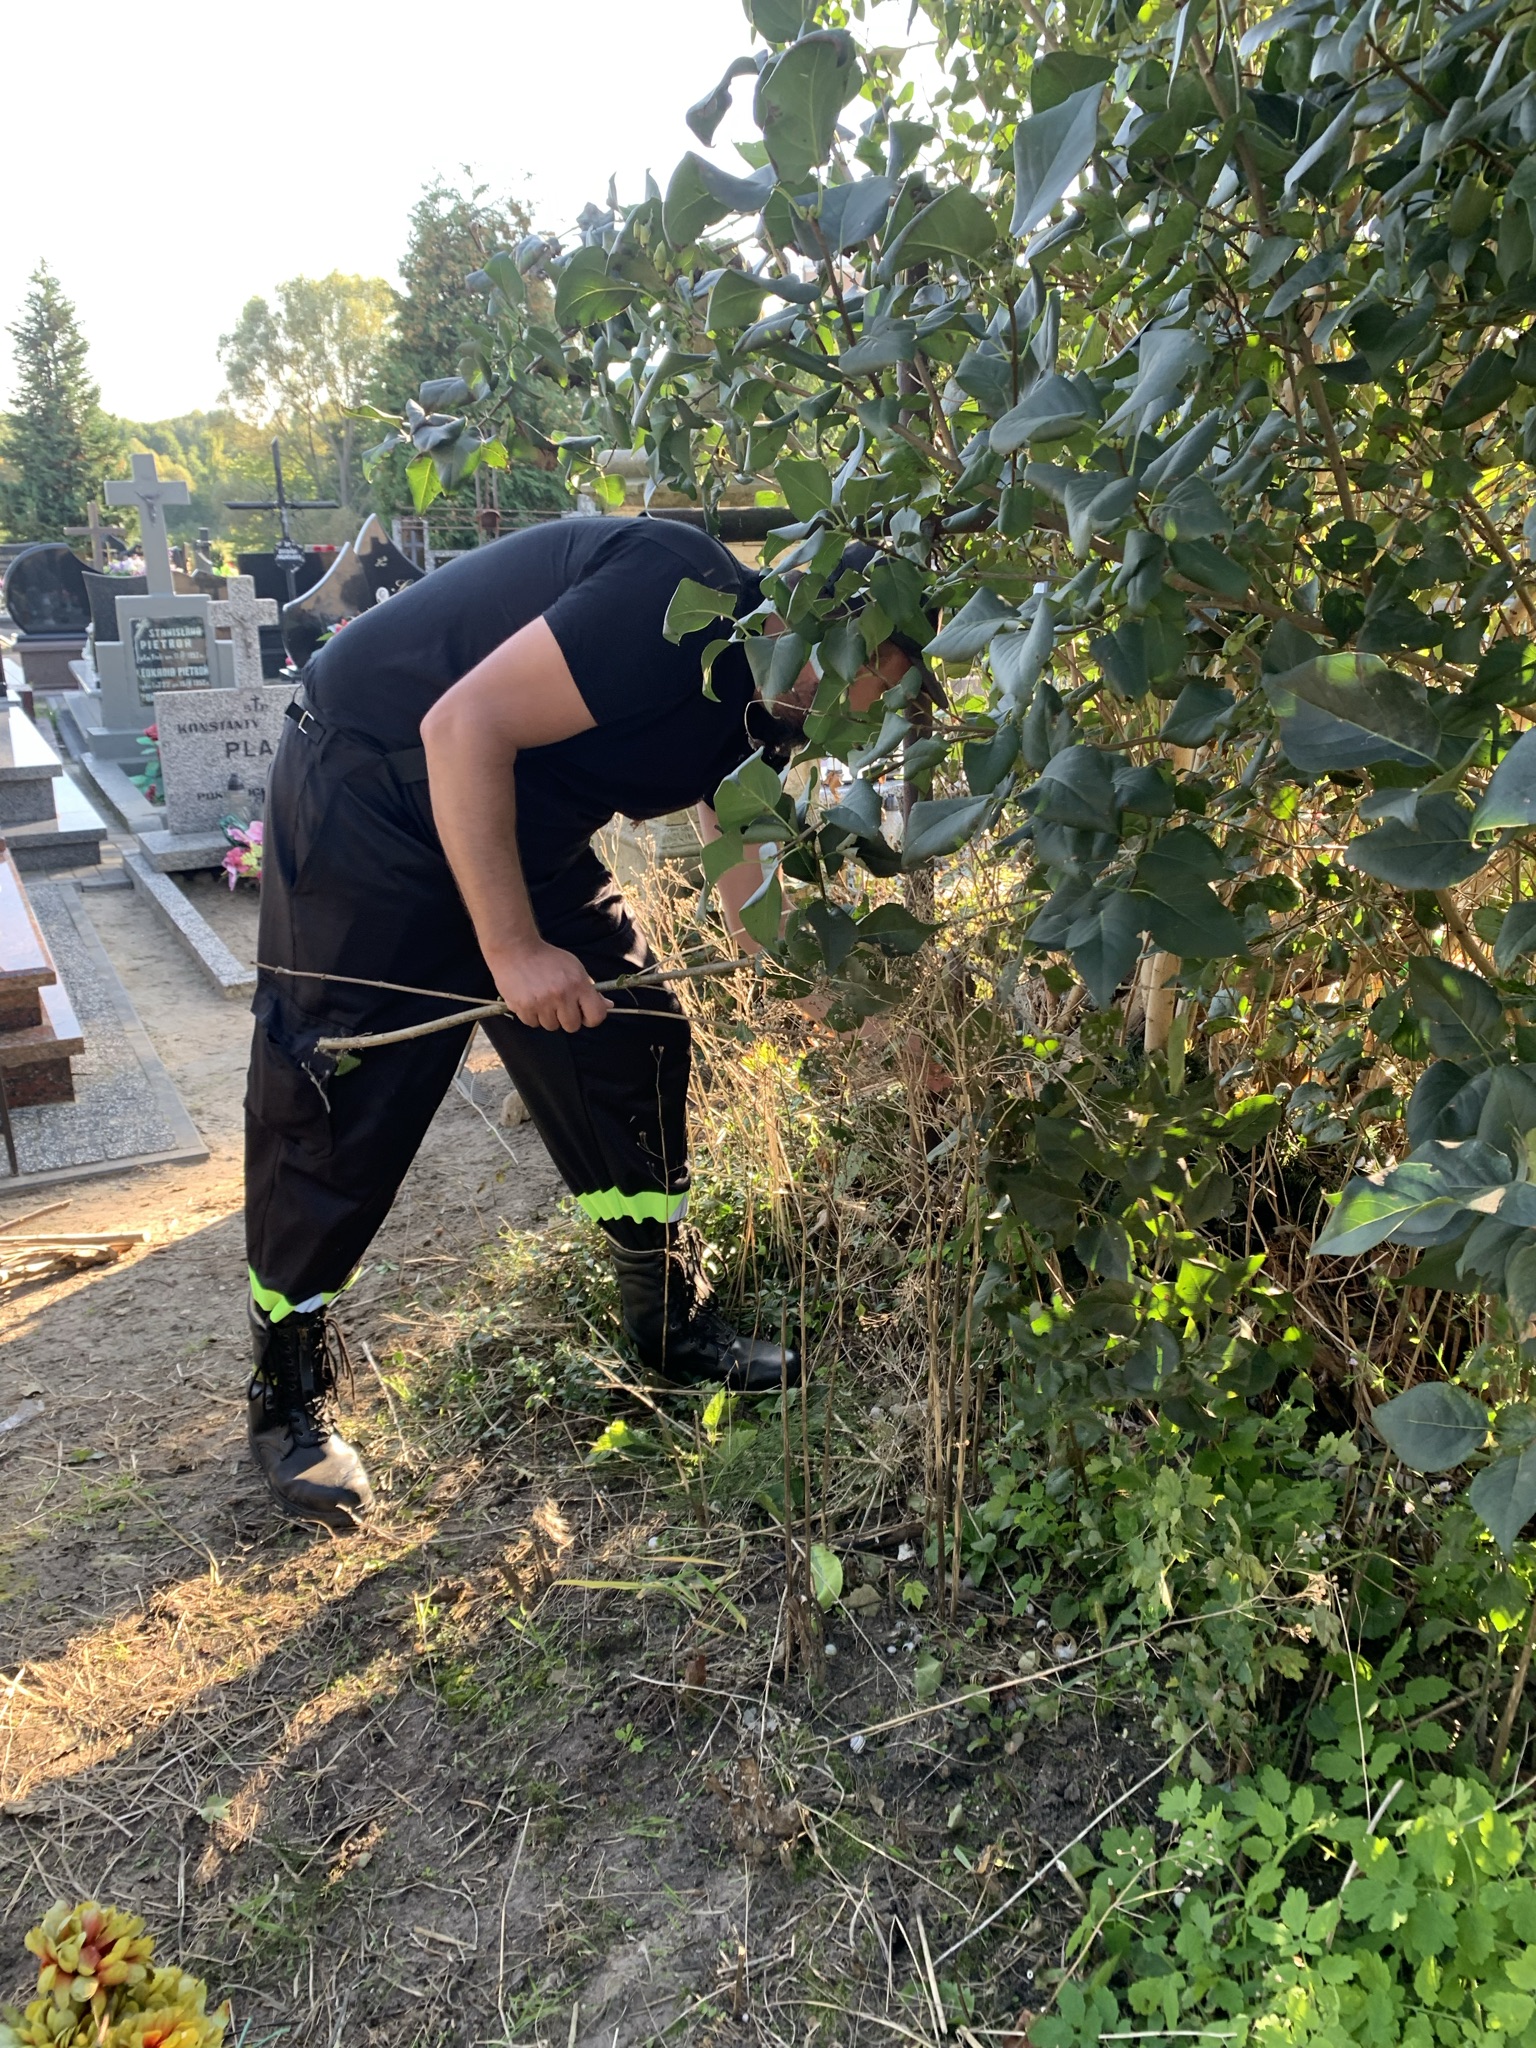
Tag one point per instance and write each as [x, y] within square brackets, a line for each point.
[99, 534]
[151, 493]
[245, 614]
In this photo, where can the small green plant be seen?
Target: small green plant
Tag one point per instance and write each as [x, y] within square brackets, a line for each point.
[1380, 1902]
[148, 776]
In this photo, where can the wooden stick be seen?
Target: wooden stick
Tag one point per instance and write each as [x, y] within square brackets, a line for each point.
[1511, 1705]
[84, 1237]
[362, 1041]
[31, 1215]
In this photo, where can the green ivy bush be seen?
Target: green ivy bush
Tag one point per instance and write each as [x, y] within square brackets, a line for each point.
[1178, 362]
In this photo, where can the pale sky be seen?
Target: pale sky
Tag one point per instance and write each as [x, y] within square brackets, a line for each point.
[171, 161]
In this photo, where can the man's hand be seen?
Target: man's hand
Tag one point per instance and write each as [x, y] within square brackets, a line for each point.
[549, 988]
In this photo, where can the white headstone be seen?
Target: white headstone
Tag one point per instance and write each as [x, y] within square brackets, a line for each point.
[150, 493]
[244, 613]
[216, 751]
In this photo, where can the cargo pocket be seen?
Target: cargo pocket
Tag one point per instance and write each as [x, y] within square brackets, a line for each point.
[288, 1088]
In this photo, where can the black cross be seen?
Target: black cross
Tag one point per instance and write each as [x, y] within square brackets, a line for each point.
[290, 556]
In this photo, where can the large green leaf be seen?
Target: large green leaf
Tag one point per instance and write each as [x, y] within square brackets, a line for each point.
[1199, 712]
[1050, 150]
[1503, 1497]
[1423, 1201]
[1056, 74]
[1019, 658]
[941, 826]
[1482, 388]
[705, 115]
[1361, 713]
[1211, 567]
[1447, 1102]
[1433, 1427]
[1105, 942]
[763, 912]
[826, 1575]
[972, 628]
[1517, 935]
[1431, 853]
[1191, 512]
[859, 810]
[799, 97]
[689, 207]
[1077, 789]
[894, 929]
[746, 793]
[988, 761]
[844, 216]
[1509, 802]
[1465, 1016]
[880, 347]
[694, 606]
[1178, 906]
[1050, 409]
[955, 226]
[735, 300]
[1520, 1286]
[585, 294]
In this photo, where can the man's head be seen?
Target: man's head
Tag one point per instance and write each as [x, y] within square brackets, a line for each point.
[880, 673]
[884, 669]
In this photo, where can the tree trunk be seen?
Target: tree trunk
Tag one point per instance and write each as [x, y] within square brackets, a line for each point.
[1160, 999]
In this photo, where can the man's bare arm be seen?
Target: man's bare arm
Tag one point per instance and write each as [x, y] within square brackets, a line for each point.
[736, 885]
[521, 695]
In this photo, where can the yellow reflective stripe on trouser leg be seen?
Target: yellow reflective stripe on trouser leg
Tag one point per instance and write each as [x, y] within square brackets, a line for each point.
[274, 1306]
[653, 1206]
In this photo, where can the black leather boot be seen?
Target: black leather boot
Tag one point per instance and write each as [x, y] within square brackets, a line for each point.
[681, 1337]
[314, 1474]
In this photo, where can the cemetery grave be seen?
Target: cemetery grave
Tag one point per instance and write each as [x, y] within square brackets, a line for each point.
[45, 597]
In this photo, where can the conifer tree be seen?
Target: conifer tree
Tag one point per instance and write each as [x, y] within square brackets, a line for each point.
[58, 443]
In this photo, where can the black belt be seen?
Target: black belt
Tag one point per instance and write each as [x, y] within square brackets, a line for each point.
[409, 764]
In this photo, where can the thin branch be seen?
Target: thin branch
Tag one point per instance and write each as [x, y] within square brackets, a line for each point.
[1047, 1867]
[1465, 937]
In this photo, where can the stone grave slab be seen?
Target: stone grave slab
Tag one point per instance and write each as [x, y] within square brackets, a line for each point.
[216, 750]
[125, 1111]
[48, 821]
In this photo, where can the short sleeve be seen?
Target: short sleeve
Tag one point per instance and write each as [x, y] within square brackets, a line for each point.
[609, 627]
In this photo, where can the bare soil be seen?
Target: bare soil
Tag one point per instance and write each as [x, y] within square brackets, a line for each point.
[528, 1758]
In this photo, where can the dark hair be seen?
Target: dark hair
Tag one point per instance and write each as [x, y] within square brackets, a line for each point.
[856, 558]
[775, 738]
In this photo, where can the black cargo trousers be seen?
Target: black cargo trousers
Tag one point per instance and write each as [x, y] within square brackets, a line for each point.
[355, 884]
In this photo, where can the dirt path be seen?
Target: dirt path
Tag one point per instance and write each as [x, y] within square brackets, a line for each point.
[139, 1367]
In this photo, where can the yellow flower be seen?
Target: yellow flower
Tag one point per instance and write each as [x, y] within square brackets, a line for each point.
[178, 2022]
[88, 1950]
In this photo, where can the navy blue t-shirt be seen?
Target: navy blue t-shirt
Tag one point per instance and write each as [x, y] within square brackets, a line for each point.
[603, 587]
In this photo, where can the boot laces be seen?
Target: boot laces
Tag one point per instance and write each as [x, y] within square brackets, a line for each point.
[306, 1389]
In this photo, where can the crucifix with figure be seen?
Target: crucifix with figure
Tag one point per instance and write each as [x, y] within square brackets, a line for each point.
[99, 534]
[289, 555]
[245, 614]
[150, 493]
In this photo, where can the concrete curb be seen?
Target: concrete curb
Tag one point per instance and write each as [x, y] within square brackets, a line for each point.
[227, 974]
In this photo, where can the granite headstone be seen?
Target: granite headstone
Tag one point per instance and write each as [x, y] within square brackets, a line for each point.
[45, 595]
[217, 746]
[364, 573]
[45, 590]
[216, 751]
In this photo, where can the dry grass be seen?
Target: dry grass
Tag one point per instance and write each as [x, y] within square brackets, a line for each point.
[558, 1750]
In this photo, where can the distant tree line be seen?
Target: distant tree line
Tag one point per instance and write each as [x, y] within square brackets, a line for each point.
[297, 365]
